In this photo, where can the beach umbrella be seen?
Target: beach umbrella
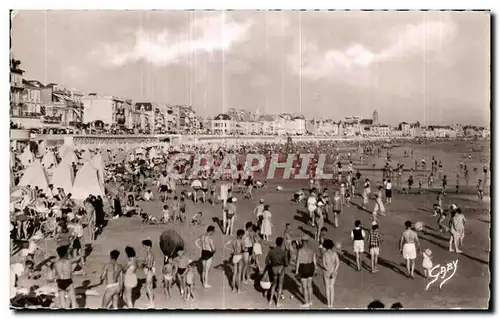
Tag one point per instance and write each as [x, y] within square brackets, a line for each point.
[18, 192]
[170, 242]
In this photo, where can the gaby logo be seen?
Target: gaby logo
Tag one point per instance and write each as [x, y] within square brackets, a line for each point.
[445, 273]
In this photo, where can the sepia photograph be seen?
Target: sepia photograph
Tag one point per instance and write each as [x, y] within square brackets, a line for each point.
[248, 159]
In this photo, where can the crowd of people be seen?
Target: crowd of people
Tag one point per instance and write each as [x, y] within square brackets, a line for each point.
[39, 214]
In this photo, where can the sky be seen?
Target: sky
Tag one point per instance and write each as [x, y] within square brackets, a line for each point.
[433, 67]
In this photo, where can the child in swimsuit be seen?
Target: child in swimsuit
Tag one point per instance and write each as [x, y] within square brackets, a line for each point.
[182, 263]
[168, 271]
[190, 282]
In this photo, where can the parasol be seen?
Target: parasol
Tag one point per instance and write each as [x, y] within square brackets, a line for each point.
[18, 193]
[170, 242]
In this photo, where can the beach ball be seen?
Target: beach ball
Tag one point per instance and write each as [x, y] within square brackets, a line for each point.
[419, 226]
[265, 285]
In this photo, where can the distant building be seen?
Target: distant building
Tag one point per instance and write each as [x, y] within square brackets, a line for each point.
[223, 124]
[110, 110]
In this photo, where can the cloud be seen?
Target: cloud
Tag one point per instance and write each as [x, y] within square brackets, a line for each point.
[411, 40]
[162, 48]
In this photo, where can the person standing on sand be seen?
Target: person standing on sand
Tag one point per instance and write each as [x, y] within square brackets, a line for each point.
[64, 272]
[457, 230]
[112, 274]
[206, 244]
[230, 216]
[374, 246]
[319, 220]
[236, 259]
[480, 191]
[267, 226]
[305, 269]
[408, 246]
[379, 205]
[148, 265]
[331, 265]
[130, 277]
[388, 192]
[366, 192]
[182, 262]
[358, 237]
[311, 206]
[258, 212]
[276, 262]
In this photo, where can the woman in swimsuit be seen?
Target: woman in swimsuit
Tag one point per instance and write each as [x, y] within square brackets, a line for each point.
[130, 278]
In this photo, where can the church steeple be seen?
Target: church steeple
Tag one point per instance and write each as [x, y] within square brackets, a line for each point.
[375, 117]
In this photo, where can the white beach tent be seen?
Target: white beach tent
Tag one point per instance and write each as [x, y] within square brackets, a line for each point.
[49, 159]
[12, 159]
[27, 157]
[63, 177]
[105, 156]
[86, 183]
[67, 153]
[35, 175]
[42, 148]
[86, 156]
[98, 164]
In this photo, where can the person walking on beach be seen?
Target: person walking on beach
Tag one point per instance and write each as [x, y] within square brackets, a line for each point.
[379, 205]
[337, 208]
[112, 275]
[374, 247]
[480, 191]
[366, 193]
[206, 244]
[311, 206]
[388, 192]
[408, 246]
[358, 237]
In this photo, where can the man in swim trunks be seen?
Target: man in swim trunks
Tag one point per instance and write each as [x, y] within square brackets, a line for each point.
[112, 273]
[236, 260]
[408, 246]
[277, 262]
[207, 246]
[149, 270]
[64, 271]
[305, 269]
